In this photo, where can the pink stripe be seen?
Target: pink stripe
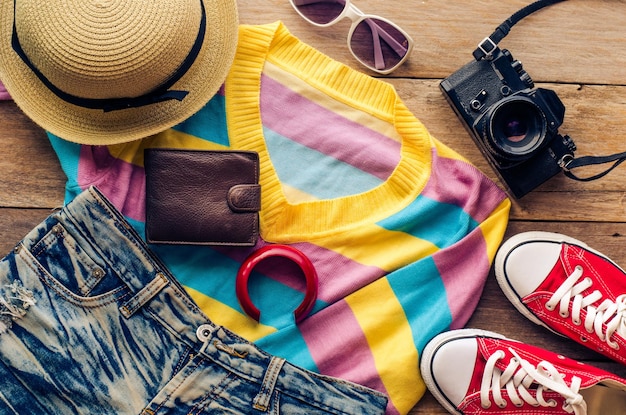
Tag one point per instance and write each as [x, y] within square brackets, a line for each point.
[123, 183]
[474, 192]
[4, 95]
[330, 267]
[477, 195]
[301, 120]
[330, 344]
[463, 280]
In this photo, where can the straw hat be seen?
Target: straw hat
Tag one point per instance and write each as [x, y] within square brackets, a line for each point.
[112, 71]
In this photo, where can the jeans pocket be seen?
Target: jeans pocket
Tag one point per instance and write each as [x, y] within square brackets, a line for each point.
[73, 265]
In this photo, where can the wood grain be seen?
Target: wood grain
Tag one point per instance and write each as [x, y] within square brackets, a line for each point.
[576, 48]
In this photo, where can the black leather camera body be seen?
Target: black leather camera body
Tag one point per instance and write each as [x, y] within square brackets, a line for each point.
[513, 123]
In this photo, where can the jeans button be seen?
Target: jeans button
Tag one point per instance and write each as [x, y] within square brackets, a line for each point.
[204, 332]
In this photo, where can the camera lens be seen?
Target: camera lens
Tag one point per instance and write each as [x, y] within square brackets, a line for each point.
[517, 126]
[515, 129]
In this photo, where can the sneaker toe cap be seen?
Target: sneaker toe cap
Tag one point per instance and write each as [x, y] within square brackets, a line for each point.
[528, 264]
[453, 366]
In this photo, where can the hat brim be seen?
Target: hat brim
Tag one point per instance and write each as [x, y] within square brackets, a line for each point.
[97, 127]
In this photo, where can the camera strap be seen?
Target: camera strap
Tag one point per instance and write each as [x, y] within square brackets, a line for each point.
[568, 162]
[489, 44]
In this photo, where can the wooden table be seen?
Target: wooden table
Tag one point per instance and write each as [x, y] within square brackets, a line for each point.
[576, 48]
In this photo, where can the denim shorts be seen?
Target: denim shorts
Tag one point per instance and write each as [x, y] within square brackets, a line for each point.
[92, 323]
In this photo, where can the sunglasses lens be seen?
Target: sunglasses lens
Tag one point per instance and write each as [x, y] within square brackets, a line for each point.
[378, 44]
[320, 11]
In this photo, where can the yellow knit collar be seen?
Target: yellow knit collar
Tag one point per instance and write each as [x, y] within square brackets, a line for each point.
[285, 222]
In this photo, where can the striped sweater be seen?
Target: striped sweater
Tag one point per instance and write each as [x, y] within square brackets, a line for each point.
[401, 229]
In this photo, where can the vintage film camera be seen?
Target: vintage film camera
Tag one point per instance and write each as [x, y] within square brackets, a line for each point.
[514, 124]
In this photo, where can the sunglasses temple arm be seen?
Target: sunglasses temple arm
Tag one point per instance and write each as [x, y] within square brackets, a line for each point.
[379, 59]
[391, 41]
[377, 34]
[307, 2]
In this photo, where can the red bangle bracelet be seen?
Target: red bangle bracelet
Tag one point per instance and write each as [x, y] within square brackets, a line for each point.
[284, 251]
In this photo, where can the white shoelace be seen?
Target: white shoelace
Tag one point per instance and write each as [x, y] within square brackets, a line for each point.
[609, 313]
[518, 377]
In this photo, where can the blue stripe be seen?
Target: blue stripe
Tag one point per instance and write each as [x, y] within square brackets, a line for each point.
[289, 344]
[209, 123]
[442, 224]
[313, 172]
[69, 158]
[218, 280]
[420, 290]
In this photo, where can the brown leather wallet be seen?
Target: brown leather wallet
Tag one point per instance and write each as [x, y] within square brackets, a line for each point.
[201, 197]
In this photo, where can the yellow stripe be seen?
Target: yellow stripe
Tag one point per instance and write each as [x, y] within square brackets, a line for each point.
[294, 195]
[132, 152]
[378, 247]
[388, 334]
[443, 151]
[494, 226]
[223, 315]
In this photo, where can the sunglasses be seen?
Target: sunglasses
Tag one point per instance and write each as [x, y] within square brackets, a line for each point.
[377, 43]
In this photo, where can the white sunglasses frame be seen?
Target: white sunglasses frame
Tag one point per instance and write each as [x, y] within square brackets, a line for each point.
[357, 16]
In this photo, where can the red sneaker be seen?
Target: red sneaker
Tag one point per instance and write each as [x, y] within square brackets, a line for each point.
[478, 372]
[562, 284]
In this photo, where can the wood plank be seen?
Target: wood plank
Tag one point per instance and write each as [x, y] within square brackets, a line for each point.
[16, 223]
[576, 41]
[31, 175]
